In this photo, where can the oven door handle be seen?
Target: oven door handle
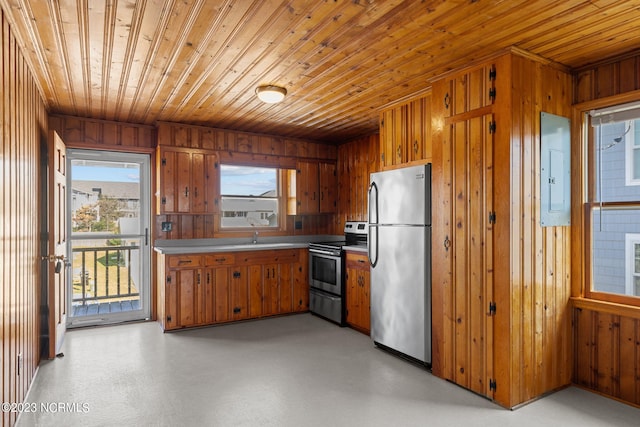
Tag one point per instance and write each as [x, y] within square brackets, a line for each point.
[321, 252]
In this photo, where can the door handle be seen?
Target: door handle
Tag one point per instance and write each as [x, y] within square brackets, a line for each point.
[52, 258]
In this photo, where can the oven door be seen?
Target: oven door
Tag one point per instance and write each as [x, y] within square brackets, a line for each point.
[325, 271]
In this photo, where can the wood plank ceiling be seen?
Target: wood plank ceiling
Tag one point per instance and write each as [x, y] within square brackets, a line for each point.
[199, 61]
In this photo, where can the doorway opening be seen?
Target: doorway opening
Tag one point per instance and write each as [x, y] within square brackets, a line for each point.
[109, 210]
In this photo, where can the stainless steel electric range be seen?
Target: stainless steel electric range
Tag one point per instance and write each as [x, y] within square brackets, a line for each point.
[326, 273]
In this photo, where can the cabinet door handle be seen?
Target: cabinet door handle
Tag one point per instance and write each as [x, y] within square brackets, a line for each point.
[198, 278]
[186, 191]
[273, 273]
[446, 100]
[267, 273]
[208, 278]
[195, 192]
[415, 147]
[399, 150]
[184, 261]
[447, 243]
[220, 259]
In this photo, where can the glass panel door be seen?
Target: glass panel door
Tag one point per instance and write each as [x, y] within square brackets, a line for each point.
[109, 198]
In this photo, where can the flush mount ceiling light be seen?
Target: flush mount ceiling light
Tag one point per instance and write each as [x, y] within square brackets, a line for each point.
[271, 94]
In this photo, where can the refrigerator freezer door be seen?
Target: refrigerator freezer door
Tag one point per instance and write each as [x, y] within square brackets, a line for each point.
[401, 291]
[401, 196]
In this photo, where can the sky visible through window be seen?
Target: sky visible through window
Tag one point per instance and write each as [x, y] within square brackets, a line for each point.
[105, 172]
[247, 181]
[235, 180]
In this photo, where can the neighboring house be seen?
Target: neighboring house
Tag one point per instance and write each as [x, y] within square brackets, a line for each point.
[243, 211]
[87, 193]
[616, 233]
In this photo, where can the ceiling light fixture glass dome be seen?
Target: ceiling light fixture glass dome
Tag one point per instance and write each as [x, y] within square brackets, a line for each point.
[270, 93]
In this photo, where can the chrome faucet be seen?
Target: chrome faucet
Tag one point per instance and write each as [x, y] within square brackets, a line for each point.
[255, 237]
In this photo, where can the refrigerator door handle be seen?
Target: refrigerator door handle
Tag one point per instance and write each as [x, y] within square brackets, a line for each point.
[373, 202]
[373, 243]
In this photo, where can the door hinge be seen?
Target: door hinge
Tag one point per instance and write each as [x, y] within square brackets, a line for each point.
[492, 308]
[492, 385]
[168, 279]
[492, 217]
[164, 162]
[492, 93]
[492, 127]
[492, 73]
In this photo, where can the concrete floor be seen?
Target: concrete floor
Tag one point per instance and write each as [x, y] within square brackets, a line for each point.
[289, 371]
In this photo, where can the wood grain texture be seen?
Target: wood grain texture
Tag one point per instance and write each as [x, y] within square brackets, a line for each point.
[527, 352]
[357, 159]
[23, 127]
[607, 353]
[606, 78]
[199, 62]
[605, 357]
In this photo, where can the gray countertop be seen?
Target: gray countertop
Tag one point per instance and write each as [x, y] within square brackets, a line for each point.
[195, 246]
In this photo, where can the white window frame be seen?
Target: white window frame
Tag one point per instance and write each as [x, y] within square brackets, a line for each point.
[631, 239]
[630, 146]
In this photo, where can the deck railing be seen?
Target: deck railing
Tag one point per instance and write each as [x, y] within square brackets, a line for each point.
[97, 278]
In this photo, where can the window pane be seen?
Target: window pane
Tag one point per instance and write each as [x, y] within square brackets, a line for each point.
[615, 162]
[636, 163]
[105, 197]
[611, 261]
[249, 196]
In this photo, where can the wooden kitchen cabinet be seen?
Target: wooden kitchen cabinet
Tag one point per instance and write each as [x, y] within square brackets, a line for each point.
[313, 188]
[186, 180]
[405, 133]
[358, 285]
[239, 284]
[300, 282]
[188, 296]
[500, 281]
[196, 290]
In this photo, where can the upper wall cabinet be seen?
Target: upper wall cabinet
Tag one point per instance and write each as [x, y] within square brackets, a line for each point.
[312, 188]
[186, 180]
[405, 133]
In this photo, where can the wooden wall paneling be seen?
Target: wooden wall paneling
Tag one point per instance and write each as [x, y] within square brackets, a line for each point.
[607, 353]
[101, 134]
[629, 355]
[610, 77]
[23, 125]
[356, 160]
[441, 188]
[603, 335]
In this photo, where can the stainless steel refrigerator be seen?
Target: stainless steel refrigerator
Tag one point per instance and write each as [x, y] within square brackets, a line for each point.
[400, 257]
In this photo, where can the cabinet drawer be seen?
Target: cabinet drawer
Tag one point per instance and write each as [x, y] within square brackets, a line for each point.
[279, 256]
[219, 259]
[357, 260]
[183, 261]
